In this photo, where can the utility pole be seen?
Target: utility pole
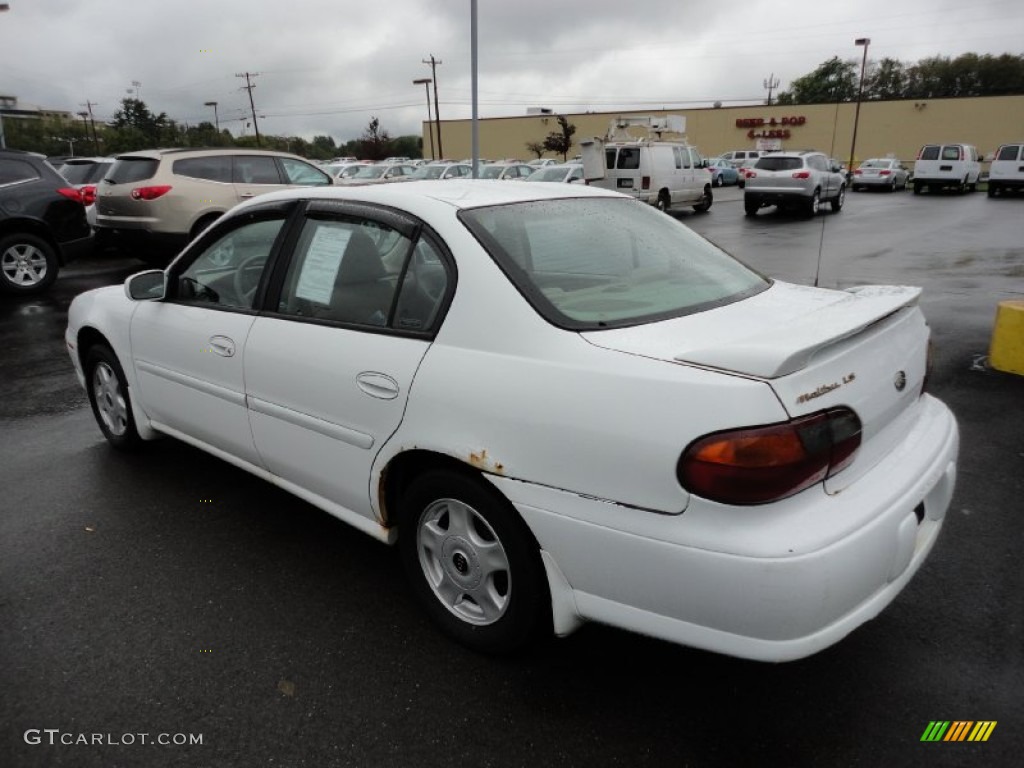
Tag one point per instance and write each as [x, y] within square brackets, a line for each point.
[437, 105]
[89, 105]
[216, 119]
[248, 87]
[771, 83]
[425, 81]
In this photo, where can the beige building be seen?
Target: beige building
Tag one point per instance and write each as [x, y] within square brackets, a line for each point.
[885, 127]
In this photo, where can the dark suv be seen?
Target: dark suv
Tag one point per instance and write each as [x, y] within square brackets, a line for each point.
[42, 223]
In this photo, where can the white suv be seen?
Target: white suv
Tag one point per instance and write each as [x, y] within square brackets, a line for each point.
[156, 201]
[800, 180]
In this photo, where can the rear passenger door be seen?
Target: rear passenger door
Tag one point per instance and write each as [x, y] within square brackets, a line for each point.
[330, 361]
[255, 175]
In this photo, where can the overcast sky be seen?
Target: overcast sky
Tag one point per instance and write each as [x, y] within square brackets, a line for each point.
[327, 66]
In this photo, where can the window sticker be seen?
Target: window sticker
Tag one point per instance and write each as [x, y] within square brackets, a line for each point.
[322, 262]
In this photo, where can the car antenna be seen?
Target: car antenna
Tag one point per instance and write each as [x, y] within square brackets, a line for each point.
[831, 154]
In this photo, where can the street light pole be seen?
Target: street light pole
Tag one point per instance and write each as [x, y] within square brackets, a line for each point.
[3, 140]
[865, 42]
[215, 118]
[425, 82]
[437, 104]
[475, 129]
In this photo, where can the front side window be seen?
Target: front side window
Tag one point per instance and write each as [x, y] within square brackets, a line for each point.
[227, 271]
[629, 159]
[299, 172]
[363, 272]
[587, 263]
[1008, 152]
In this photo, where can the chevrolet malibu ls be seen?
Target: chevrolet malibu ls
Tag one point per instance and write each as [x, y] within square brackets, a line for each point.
[561, 405]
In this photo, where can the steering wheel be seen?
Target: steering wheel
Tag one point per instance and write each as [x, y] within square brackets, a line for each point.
[247, 278]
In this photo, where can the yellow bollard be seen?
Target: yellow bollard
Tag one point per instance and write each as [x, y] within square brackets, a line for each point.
[1007, 350]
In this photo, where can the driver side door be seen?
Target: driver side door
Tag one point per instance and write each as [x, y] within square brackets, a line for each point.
[187, 348]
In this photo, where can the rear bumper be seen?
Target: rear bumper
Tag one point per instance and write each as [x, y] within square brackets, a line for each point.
[133, 241]
[815, 579]
[76, 249]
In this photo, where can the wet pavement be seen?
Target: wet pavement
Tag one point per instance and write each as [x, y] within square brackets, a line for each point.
[168, 592]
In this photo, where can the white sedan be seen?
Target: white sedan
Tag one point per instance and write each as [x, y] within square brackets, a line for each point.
[562, 405]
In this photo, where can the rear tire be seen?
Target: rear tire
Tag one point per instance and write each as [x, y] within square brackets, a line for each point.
[993, 189]
[814, 204]
[917, 187]
[472, 563]
[28, 264]
[705, 204]
[751, 207]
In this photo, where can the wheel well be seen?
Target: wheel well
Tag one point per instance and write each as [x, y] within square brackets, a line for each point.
[31, 227]
[87, 339]
[202, 223]
[401, 471]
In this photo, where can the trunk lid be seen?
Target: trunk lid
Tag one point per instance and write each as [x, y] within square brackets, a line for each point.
[864, 349]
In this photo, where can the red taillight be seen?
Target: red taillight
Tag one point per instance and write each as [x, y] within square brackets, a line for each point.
[749, 174]
[884, 173]
[858, 172]
[801, 174]
[89, 194]
[757, 465]
[150, 193]
[70, 193]
[645, 182]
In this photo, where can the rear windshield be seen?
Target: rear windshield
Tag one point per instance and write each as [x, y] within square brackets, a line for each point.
[83, 173]
[1008, 152]
[772, 163]
[128, 169]
[627, 159]
[930, 153]
[951, 153]
[876, 164]
[587, 264]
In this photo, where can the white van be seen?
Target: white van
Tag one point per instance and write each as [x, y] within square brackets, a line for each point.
[946, 165]
[742, 157]
[1006, 173]
[660, 172]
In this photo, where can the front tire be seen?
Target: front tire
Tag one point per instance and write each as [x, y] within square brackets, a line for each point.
[109, 397]
[28, 264]
[472, 563]
[838, 200]
[664, 201]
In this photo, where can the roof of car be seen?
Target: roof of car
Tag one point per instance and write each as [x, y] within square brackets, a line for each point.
[458, 193]
[157, 153]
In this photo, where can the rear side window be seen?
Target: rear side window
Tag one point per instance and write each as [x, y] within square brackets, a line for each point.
[255, 170]
[951, 153]
[211, 168]
[1008, 152]
[129, 169]
[629, 159]
[930, 153]
[12, 171]
[771, 163]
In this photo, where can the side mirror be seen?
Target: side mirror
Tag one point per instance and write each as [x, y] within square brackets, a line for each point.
[146, 286]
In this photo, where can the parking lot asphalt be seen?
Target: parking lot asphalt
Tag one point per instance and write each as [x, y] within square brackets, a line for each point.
[170, 593]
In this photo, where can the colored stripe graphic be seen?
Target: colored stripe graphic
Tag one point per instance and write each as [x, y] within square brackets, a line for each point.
[982, 730]
[935, 730]
[958, 730]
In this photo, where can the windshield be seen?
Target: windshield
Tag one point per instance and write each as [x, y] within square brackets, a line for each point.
[369, 172]
[428, 172]
[491, 171]
[551, 173]
[590, 263]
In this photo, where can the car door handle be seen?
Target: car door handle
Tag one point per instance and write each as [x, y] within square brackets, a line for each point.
[222, 345]
[247, 195]
[378, 385]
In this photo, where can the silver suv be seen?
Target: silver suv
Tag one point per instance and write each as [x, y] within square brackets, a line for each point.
[802, 180]
[156, 201]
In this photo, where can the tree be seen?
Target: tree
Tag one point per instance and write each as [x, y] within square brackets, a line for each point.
[560, 142]
[535, 148]
[375, 143]
[833, 80]
[407, 146]
[887, 80]
[135, 127]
